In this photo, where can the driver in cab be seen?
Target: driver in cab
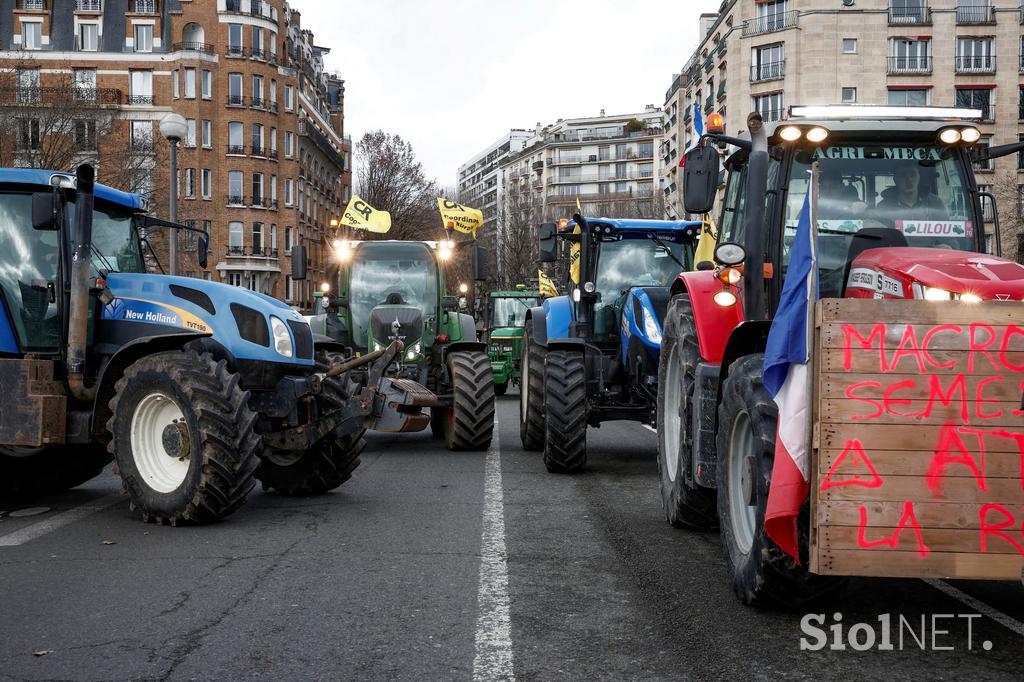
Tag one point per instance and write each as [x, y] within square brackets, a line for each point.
[907, 199]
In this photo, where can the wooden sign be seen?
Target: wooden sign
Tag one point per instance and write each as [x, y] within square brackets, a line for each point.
[917, 463]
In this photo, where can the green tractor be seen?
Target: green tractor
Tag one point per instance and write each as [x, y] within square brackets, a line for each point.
[505, 313]
[378, 292]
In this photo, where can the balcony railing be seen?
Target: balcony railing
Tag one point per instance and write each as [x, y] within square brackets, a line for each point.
[54, 95]
[263, 251]
[975, 64]
[88, 6]
[903, 15]
[768, 115]
[273, 107]
[237, 51]
[769, 23]
[236, 200]
[205, 48]
[767, 71]
[144, 6]
[236, 100]
[256, 102]
[272, 154]
[236, 149]
[910, 64]
[977, 14]
[258, 150]
[146, 100]
[258, 53]
[33, 5]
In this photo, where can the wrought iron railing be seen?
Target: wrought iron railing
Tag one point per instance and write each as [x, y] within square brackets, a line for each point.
[145, 100]
[236, 100]
[770, 23]
[904, 14]
[189, 46]
[910, 64]
[766, 71]
[236, 149]
[975, 64]
[975, 14]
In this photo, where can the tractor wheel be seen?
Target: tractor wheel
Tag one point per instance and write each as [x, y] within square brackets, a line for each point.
[30, 472]
[762, 574]
[327, 464]
[565, 419]
[686, 504]
[531, 394]
[438, 418]
[501, 389]
[470, 422]
[182, 435]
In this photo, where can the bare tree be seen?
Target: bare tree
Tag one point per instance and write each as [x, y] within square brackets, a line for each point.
[519, 215]
[390, 179]
[1010, 197]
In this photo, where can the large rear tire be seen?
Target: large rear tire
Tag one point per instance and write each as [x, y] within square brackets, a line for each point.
[531, 394]
[327, 464]
[470, 422]
[565, 439]
[762, 574]
[27, 473]
[686, 504]
[182, 435]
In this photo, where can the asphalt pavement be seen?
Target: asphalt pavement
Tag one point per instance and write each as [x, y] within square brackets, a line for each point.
[437, 565]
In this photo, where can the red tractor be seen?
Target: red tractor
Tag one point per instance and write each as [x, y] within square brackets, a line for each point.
[899, 215]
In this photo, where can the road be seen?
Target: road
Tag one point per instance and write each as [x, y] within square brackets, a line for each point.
[579, 578]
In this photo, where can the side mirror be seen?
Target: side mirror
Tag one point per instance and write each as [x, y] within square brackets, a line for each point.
[548, 243]
[203, 246]
[299, 264]
[45, 210]
[479, 263]
[700, 179]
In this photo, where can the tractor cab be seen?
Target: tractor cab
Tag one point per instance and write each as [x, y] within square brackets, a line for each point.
[505, 313]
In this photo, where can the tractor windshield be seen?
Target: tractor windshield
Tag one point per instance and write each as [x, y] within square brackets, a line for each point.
[392, 272]
[627, 263]
[115, 245]
[918, 192]
[510, 312]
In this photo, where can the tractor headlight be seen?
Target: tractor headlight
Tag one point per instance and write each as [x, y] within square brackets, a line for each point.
[935, 294]
[282, 339]
[651, 329]
[414, 352]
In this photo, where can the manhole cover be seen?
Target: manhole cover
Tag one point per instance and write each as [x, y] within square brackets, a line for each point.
[29, 511]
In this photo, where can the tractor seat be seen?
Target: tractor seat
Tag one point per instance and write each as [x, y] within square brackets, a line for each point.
[870, 238]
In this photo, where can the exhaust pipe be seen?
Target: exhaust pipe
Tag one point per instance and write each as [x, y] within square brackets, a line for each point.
[81, 265]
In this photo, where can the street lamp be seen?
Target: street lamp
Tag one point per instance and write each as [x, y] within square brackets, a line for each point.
[463, 288]
[174, 127]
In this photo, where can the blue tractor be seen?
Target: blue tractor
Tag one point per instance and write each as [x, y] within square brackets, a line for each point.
[197, 389]
[592, 355]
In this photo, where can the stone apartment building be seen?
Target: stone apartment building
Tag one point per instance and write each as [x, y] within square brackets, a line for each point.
[477, 183]
[767, 55]
[265, 163]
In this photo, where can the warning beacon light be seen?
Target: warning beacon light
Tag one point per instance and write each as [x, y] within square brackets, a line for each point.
[716, 124]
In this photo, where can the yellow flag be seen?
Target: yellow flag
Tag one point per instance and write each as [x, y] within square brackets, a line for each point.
[706, 243]
[545, 285]
[575, 251]
[362, 216]
[462, 218]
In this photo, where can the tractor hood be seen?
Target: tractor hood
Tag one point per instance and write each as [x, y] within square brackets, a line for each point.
[250, 325]
[396, 322]
[905, 272]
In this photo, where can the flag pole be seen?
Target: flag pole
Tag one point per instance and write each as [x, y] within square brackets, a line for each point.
[812, 310]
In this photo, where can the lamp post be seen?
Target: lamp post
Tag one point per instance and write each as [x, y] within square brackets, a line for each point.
[174, 128]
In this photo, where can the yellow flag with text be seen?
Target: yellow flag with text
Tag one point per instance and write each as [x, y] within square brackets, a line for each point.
[545, 285]
[462, 218]
[362, 216]
[706, 243]
[575, 252]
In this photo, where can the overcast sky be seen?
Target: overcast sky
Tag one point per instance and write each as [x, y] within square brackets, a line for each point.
[452, 76]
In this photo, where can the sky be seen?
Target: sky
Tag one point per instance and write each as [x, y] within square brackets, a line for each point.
[452, 76]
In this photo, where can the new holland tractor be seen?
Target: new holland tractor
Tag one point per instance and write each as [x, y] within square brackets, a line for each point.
[592, 355]
[505, 313]
[900, 215]
[197, 389]
[379, 292]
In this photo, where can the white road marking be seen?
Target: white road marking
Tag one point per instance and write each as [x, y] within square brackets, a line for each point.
[40, 528]
[493, 660]
[980, 606]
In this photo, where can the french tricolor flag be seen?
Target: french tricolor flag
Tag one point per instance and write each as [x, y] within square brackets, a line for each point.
[698, 132]
[787, 377]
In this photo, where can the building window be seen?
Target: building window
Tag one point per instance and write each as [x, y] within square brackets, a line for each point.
[142, 135]
[273, 93]
[141, 87]
[288, 293]
[235, 195]
[849, 95]
[190, 132]
[984, 143]
[769, 106]
[234, 278]
[257, 91]
[288, 240]
[206, 183]
[190, 183]
[257, 43]
[975, 55]
[273, 142]
[190, 83]
[174, 84]
[771, 15]
[236, 237]
[908, 97]
[235, 41]
[29, 137]
[273, 190]
[143, 37]
[768, 63]
[908, 11]
[977, 98]
[910, 55]
[849, 46]
[289, 190]
[289, 138]
[235, 135]
[28, 85]
[235, 95]
[85, 135]
[207, 133]
[257, 139]
[257, 239]
[289, 93]
[973, 11]
[84, 85]
[88, 38]
[32, 35]
[257, 189]
[207, 84]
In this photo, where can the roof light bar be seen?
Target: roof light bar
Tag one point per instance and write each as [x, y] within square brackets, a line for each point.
[844, 111]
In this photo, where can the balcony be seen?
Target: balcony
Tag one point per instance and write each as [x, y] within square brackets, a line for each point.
[91, 6]
[709, 103]
[203, 48]
[141, 100]
[258, 53]
[721, 91]
[236, 52]
[910, 65]
[81, 96]
[273, 107]
[770, 23]
[272, 154]
[904, 16]
[33, 5]
[236, 149]
[767, 71]
[975, 15]
[144, 6]
[258, 150]
[256, 102]
[236, 100]
[236, 200]
[976, 64]
[322, 143]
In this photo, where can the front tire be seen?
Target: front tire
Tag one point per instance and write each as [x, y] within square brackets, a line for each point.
[331, 461]
[28, 473]
[470, 422]
[686, 504]
[762, 574]
[565, 439]
[182, 435]
[531, 393]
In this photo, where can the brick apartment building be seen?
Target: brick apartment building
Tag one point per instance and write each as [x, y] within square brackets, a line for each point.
[265, 164]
